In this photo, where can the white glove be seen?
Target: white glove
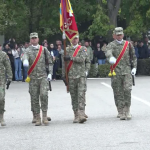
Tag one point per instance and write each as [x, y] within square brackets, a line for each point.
[26, 63]
[49, 78]
[86, 73]
[133, 72]
[112, 60]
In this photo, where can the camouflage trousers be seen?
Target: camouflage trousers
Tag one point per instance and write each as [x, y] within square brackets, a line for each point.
[122, 86]
[77, 88]
[38, 89]
[2, 96]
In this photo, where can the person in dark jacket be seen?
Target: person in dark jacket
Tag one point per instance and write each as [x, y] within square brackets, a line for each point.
[12, 43]
[100, 54]
[136, 49]
[8, 51]
[55, 52]
[143, 51]
[46, 45]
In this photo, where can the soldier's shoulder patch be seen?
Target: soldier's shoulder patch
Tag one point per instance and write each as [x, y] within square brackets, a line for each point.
[82, 48]
[85, 50]
[7, 56]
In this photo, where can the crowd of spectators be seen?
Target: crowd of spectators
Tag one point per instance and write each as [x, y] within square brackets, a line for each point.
[95, 53]
[15, 53]
[142, 49]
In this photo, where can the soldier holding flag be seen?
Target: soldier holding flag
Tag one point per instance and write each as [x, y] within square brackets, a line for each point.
[78, 65]
[75, 62]
[121, 56]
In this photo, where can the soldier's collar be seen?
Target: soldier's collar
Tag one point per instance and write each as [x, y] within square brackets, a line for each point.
[35, 47]
[74, 46]
[120, 42]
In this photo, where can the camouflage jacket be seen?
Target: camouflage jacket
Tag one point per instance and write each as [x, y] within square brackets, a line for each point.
[113, 49]
[5, 67]
[40, 68]
[81, 63]
[90, 52]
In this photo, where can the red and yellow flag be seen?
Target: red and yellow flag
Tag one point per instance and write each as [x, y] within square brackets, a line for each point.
[67, 20]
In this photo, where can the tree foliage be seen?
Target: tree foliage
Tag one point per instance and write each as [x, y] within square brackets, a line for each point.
[18, 18]
[137, 15]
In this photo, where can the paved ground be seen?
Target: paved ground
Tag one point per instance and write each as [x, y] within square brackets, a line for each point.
[102, 131]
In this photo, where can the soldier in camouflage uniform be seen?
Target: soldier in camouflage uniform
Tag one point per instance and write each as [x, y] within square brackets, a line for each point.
[77, 78]
[5, 69]
[38, 86]
[122, 82]
[89, 50]
[114, 35]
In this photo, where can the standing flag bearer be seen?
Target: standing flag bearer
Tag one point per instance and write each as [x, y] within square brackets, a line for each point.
[75, 62]
[68, 26]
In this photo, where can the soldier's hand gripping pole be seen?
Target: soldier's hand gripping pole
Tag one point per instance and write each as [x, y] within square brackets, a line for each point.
[47, 70]
[8, 84]
[131, 61]
[133, 80]
[50, 87]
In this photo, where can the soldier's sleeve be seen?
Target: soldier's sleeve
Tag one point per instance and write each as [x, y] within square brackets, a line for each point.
[91, 54]
[7, 65]
[63, 66]
[49, 59]
[87, 61]
[133, 57]
[25, 56]
[103, 48]
[61, 52]
[108, 51]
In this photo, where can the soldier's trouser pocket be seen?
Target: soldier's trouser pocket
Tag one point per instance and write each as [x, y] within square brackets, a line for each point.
[81, 93]
[2, 97]
[74, 94]
[127, 89]
[44, 94]
[122, 86]
[34, 90]
[117, 85]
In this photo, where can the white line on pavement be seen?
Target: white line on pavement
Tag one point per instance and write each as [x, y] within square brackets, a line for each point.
[107, 85]
[136, 98]
[98, 78]
[141, 100]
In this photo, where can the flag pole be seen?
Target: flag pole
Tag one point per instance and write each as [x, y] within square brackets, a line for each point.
[65, 53]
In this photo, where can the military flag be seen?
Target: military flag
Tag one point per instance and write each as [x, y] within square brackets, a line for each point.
[67, 20]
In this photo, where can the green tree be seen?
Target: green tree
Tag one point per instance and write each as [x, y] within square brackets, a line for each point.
[2, 17]
[15, 24]
[137, 16]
